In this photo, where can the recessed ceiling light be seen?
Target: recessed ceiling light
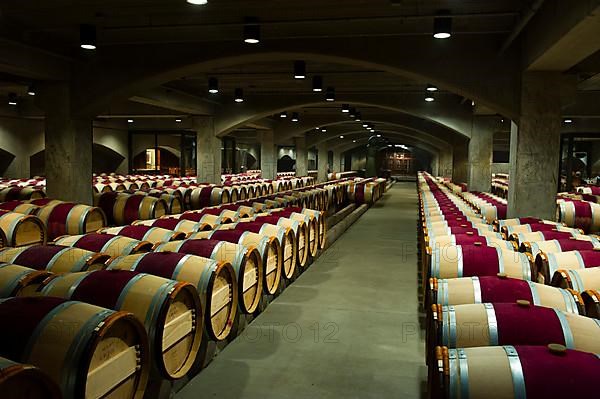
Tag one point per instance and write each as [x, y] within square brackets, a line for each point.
[295, 117]
[365, 125]
[324, 129]
[389, 145]
[31, 90]
[330, 94]
[317, 128]
[345, 108]
[178, 120]
[213, 85]
[379, 135]
[341, 137]
[429, 99]
[129, 120]
[12, 99]
[197, 2]
[431, 88]
[354, 141]
[568, 120]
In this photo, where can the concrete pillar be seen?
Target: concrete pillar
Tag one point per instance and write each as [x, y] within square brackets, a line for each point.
[371, 162]
[208, 150]
[268, 156]
[337, 161]
[460, 161]
[534, 147]
[481, 148]
[435, 165]
[68, 140]
[322, 162]
[301, 156]
[445, 162]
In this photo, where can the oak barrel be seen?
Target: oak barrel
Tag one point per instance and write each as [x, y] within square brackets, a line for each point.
[24, 381]
[55, 258]
[21, 229]
[63, 218]
[170, 310]
[16, 280]
[110, 244]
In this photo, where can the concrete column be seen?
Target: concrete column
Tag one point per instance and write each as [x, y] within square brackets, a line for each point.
[337, 161]
[445, 162]
[322, 162]
[301, 156]
[481, 148]
[460, 160]
[371, 162]
[68, 140]
[535, 147]
[435, 165]
[268, 156]
[208, 150]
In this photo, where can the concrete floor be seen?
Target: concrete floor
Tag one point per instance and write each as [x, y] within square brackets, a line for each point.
[348, 327]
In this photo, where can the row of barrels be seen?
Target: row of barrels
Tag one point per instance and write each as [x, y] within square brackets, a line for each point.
[139, 310]
[499, 185]
[487, 317]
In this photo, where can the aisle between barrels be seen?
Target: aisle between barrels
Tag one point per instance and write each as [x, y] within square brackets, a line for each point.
[347, 327]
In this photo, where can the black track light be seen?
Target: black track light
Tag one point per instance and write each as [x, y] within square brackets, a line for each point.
[295, 117]
[251, 30]
[31, 90]
[317, 83]
[12, 99]
[345, 108]
[299, 69]
[358, 117]
[213, 85]
[442, 26]
[87, 36]
[239, 95]
[283, 114]
[330, 94]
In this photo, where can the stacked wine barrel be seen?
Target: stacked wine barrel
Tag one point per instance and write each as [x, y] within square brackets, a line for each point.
[499, 296]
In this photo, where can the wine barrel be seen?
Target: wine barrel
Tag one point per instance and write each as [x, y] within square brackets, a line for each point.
[18, 280]
[20, 193]
[241, 211]
[129, 208]
[492, 324]
[170, 310]
[284, 235]
[55, 258]
[24, 381]
[211, 216]
[174, 224]
[578, 280]
[300, 230]
[308, 220]
[88, 351]
[591, 299]
[145, 233]
[515, 372]
[63, 218]
[102, 188]
[205, 196]
[214, 280]
[531, 228]
[110, 244]
[581, 214]
[23, 207]
[268, 247]
[581, 243]
[534, 236]
[458, 291]
[174, 203]
[246, 262]
[470, 260]
[548, 263]
[18, 229]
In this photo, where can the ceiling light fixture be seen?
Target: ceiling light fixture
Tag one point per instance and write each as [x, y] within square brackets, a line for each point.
[251, 30]
[87, 37]
[568, 120]
[365, 125]
[324, 129]
[239, 95]
[317, 83]
[432, 88]
[178, 120]
[284, 115]
[352, 113]
[197, 2]
[379, 135]
[330, 94]
[295, 117]
[213, 85]
[429, 99]
[299, 69]
[12, 99]
[342, 137]
[442, 27]
[129, 120]
[354, 141]
[357, 117]
[31, 90]
[345, 108]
